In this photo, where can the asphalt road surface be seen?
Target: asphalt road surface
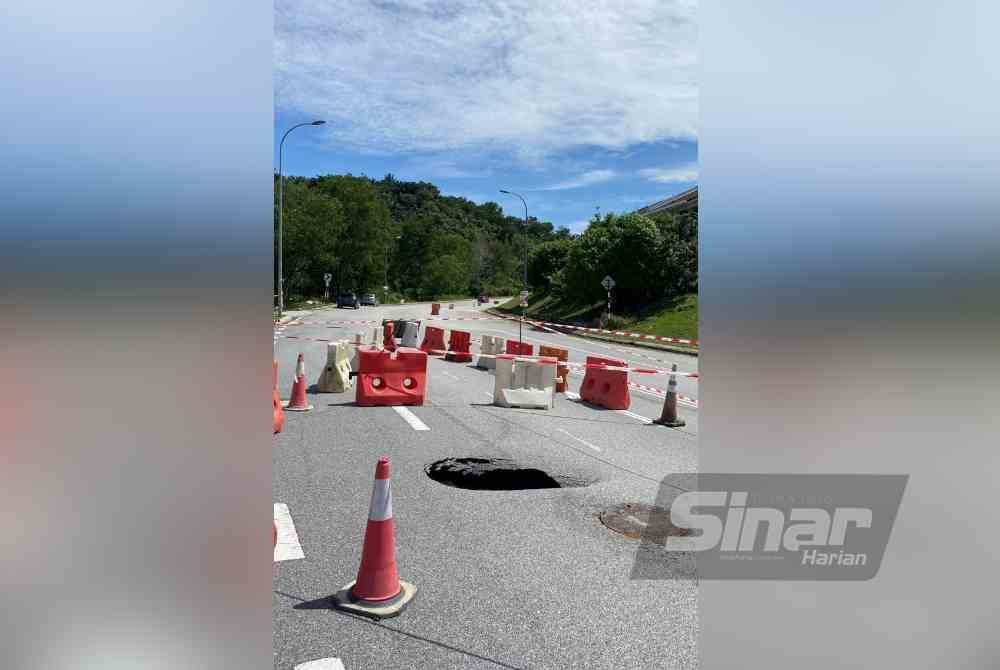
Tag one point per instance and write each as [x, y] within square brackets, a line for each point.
[505, 579]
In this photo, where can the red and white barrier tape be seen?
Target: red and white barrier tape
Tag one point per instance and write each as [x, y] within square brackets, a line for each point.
[539, 324]
[641, 371]
[337, 324]
[329, 324]
[653, 390]
[662, 393]
[576, 365]
[620, 333]
[320, 339]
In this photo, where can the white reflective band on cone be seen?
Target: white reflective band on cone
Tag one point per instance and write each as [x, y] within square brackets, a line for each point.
[300, 368]
[381, 507]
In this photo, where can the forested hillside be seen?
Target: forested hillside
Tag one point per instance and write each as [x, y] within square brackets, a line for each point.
[423, 244]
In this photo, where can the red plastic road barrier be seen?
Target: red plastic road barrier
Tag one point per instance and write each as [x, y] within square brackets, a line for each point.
[458, 347]
[435, 308]
[562, 372]
[433, 340]
[389, 378]
[519, 348]
[388, 340]
[607, 388]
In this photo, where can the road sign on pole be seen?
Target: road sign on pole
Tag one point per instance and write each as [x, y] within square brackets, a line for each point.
[608, 283]
[524, 298]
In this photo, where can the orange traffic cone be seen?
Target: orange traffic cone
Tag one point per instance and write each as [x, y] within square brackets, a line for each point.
[668, 417]
[299, 403]
[277, 415]
[378, 592]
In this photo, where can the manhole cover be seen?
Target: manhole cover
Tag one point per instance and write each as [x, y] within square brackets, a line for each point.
[634, 519]
[495, 474]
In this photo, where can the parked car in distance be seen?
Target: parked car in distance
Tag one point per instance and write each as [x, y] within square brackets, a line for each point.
[369, 299]
[348, 300]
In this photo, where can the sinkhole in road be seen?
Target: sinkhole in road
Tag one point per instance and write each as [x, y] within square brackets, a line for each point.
[496, 474]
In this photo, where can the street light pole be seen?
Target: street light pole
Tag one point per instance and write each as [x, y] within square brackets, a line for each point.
[385, 285]
[281, 208]
[524, 286]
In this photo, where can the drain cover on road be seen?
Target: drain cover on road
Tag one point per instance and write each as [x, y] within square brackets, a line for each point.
[496, 474]
[634, 519]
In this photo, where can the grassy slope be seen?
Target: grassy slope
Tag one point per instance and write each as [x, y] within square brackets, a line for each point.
[678, 318]
[675, 319]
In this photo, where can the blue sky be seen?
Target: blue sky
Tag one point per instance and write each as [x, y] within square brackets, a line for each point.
[576, 105]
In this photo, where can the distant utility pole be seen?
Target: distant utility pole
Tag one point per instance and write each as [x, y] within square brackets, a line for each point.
[281, 208]
[524, 289]
[385, 286]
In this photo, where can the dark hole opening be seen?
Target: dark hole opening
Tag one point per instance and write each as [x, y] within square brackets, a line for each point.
[495, 474]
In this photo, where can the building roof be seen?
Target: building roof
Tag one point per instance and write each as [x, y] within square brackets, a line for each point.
[680, 202]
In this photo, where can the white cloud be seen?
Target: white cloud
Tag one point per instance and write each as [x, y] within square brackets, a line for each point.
[522, 77]
[441, 167]
[586, 179]
[673, 175]
[578, 226]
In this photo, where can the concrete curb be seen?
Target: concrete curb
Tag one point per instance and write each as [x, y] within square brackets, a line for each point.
[285, 319]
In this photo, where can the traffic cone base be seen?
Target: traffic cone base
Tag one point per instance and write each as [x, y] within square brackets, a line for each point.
[289, 408]
[378, 592]
[676, 423]
[375, 609]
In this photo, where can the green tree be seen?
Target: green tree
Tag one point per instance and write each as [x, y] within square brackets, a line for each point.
[625, 246]
[546, 259]
[678, 251]
[313, 224]
[361, 255]
[348, 225]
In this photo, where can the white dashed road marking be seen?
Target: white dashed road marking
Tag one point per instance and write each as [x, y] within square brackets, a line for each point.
[595, 448]
[411, 418]
[638, 417]
[449, 375]
[321, 664]
[288, 547]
